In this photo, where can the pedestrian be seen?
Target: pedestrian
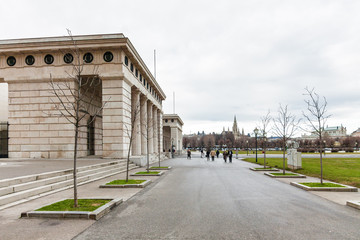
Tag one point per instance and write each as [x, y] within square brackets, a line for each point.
[202, 152]
[188, 154]
[225, 155]
[212, 154]
[217, 153]
[208, 154]
[230, 156]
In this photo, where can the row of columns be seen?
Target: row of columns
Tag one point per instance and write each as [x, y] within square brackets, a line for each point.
[148, 124]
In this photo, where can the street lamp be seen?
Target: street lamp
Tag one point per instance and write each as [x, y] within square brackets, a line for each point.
[256, 131]
[356, 144]
[247, 149]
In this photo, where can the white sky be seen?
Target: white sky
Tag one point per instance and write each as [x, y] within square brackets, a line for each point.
[222, 58]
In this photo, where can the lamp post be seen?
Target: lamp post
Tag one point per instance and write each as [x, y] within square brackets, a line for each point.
[247, 149]
[256, 131]
[356, 144]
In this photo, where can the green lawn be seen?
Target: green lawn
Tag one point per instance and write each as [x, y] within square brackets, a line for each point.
[160, 167]
[87, 205]
[123, 181]
[343, 170]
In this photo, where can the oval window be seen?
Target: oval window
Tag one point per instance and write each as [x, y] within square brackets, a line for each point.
[11, 61]
[108, 56]
[88, 57]
[30, 60]
[49, 59]
[68, 58]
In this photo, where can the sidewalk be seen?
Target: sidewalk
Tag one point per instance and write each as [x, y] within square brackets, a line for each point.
[13, 227]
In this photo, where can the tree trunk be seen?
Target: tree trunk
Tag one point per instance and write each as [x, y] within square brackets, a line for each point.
[75, 170]
[321, 165]
[284, 157]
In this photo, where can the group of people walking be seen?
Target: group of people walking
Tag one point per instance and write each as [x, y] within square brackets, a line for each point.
[226, 154]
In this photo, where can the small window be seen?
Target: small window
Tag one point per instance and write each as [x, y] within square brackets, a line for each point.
[140, 77]
[136, 73]
[144, 82]
[132, 67]
[126, 61]
[11, 61]
[88, 57]
[172, 120]
[49, 59]
[147, 85]
[166, 120]
[108, 56]
[68, 58]
[30, 60]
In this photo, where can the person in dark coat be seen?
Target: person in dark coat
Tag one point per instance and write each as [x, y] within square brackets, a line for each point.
[208, 154]
[217, 153]
[225, 154]
[230, 156]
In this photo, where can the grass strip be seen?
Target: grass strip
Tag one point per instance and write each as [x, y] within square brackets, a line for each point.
[159, 167]
[154, 172]
[312, 184]
[124, 182]
[286, 174]
[87, 205]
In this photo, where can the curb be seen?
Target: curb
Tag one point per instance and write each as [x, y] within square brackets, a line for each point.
[95, 215]
[159, 174]
[285, 176]
[346, 188]
[354, 204]
[141, 185]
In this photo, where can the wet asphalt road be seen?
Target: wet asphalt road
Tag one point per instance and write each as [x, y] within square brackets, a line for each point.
[199, 199]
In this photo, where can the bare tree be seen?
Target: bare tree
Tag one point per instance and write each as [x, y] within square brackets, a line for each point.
[130, 131]
[148, 124]
[316, 118]
[75, 99]
[285, 126]
[263, 127]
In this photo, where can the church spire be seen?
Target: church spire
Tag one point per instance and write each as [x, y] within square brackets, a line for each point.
[235, 127]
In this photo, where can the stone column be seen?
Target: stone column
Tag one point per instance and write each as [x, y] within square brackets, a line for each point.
[116, 114]
[160, 131]
[143, 123]
[149, 126]
[174, 137]
[135, 112]
[155, 129]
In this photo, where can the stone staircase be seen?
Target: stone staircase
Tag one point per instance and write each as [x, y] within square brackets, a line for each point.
[22, 189]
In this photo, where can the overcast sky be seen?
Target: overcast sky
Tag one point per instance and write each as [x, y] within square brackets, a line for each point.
[221, 58]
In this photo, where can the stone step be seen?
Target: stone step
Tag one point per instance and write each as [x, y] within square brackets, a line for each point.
[50, 180]
[34, 177]
[65, 183]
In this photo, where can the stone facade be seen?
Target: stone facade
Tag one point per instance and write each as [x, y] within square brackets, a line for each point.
[172, 130]
[37, 131]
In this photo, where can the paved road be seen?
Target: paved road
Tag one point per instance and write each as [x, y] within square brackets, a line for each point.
[213, 200]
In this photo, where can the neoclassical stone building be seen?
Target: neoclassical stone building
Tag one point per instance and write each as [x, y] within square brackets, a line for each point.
[172, 129]
[125, 82]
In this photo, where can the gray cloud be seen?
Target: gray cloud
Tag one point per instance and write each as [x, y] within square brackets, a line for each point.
[223, 57]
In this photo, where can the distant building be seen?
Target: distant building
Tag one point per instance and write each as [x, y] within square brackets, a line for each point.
[332, 132]
[172, 132]
[235, 130]
[356, 133]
